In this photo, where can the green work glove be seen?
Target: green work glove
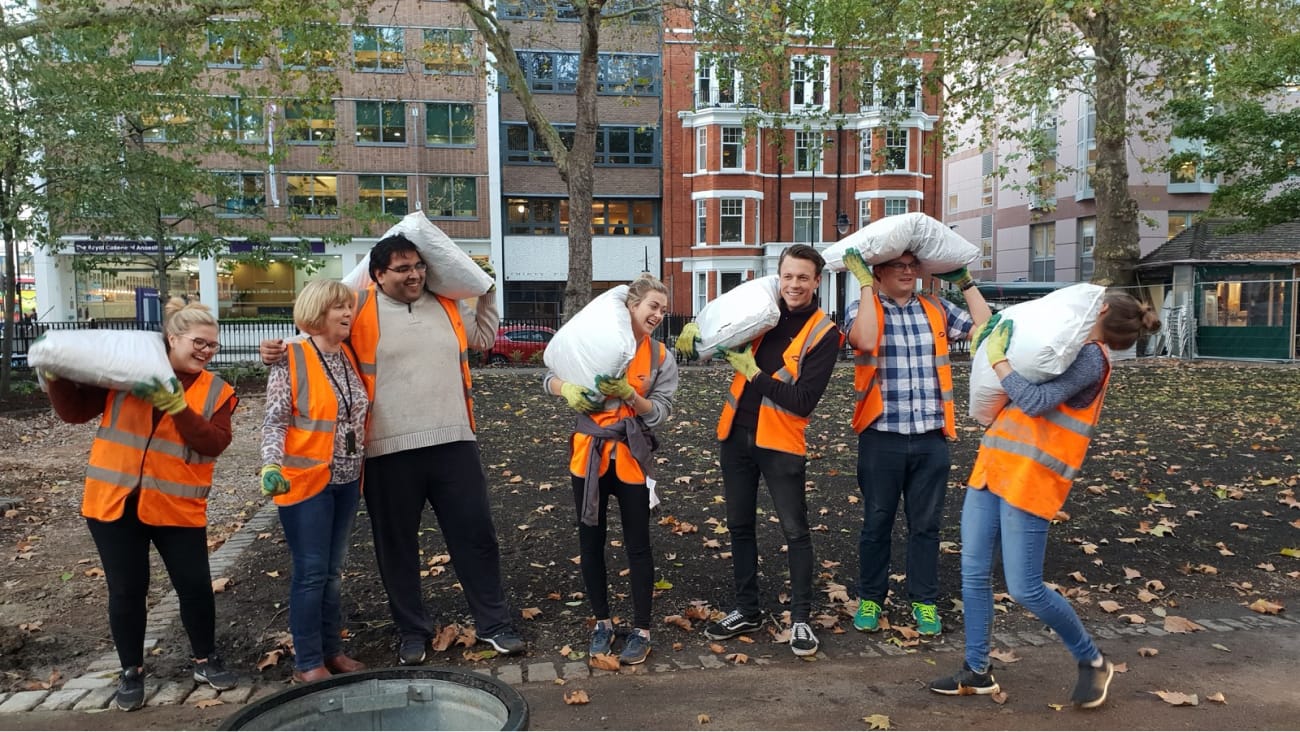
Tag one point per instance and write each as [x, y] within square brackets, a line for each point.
[489, 271]
[977, 337]
[273, 482]
[167, 398]
[687, 340]
[610, 386]
[743, 362]
[959, 277]
[998, 341]
[580, 399]
[854, 263]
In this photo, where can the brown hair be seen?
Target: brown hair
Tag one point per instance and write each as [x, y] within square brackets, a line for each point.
[642, 286]
[179, 317]
[316, 300]
[803, 251]
[1126, 319]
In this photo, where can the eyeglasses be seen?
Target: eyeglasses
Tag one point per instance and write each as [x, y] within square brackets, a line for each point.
[407, 268]
[903, 266]
[202, 344]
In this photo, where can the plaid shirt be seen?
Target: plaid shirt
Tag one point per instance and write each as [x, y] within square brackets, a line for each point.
[909, 379]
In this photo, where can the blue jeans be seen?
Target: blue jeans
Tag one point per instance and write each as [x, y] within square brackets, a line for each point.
[988, 522]
[318, 530]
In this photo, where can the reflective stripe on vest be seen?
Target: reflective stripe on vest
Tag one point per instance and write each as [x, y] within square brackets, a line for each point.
[642, 373]
[1031, 462]
[778, 428]
[870, 402]
[309, 439]
[130, 451]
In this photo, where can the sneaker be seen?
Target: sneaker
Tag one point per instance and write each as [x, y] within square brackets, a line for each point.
[733, 625]
[215, 674]
[506, 642]
[965, 683]
[412, 652]
[635, 650]
[1090, 691]
[130, 690]
[602, 640]
[802, 640]
[927, 618]
[867, 618]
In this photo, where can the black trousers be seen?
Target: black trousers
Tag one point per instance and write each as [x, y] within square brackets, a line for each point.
[634, 512]
[124, 550]
[449, 478]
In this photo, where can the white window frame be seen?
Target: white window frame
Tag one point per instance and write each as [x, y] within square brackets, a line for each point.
[804, 147]
[864, 212]
[737, 212]
[865, 159]
[738, 143]
[1087, 148]
[807, 85]
[701, 149]
[891, 144]
[873, 95]
[709, 75]
[701, 291]
[809, 212]
[701, 221]
[892, 206]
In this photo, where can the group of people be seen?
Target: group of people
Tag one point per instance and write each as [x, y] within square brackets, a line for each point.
[379, 394]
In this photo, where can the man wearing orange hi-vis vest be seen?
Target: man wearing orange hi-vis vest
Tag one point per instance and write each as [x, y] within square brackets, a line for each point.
[779, 379]
[904, 417]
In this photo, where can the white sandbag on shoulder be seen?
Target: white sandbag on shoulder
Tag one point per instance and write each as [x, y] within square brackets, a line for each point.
[937, 247]
[114, 359]
[739, 315]
[452, 273]
[1048, 334]
[598, 341]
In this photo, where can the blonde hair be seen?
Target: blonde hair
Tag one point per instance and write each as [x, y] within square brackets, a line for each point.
[642, 286]
[180, 317]
[315, 301]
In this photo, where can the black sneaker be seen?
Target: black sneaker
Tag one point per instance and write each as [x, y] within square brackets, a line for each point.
[130, 690]
[506, 642]
[412, 652]
[215, 674]
[802, 640]
[965, 683]
[733, 625]
[1090, 691]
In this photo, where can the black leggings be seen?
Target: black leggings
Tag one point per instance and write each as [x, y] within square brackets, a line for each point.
[634, 510]
[124, 550]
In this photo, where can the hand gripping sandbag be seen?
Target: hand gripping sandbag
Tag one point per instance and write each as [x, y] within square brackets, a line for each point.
[114, 359]
[739, 315]
[937, 247]
[1048, 335]
[452, 273]
[598, 341]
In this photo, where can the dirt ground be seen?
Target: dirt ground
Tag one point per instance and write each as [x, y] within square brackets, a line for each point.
[1189, 494]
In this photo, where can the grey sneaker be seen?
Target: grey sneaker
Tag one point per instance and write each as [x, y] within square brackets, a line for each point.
[635, 650]
[130, 690]
[1090, 690]
[965, 683]
[733, 625]
[802, 640]
[602, 640]
[215, 674]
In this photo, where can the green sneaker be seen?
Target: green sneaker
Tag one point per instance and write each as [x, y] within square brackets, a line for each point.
[927, 618]
[867, 618]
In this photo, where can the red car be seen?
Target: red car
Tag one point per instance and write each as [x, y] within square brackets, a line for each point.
[520, 344]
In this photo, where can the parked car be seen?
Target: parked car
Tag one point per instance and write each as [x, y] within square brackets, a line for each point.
[520, 344]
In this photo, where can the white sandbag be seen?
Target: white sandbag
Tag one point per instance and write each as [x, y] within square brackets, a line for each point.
[739, 315]
[452, 273]
[598, 341]
[937, 247]
[115, 359]
[1048, 334]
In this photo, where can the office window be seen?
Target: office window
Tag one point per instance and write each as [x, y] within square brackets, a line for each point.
[1179, 220]
[616, 146]
[384, 194]
[1087, 148]
[224, 46]
[986, 241]
[298, 52]
[732, 220]
[808, 76]
[610, 217]
[162, 125]
[1087, 231]
[807, 221]
[701, 221]
[379, 48]
[896, 150]
[314, 196]
[381, 122]
[1185, 173]
[733, 148]
[245, 196]
[449, 51]
[555, 72]
[453, 196]
[952, 203]
[864, 212]
[240, 120]
[448, 123]
[701, 149]
[987, 171]
[1042, 245]
[149, 48]
[807, 151]
[895, 206]
[309, 123]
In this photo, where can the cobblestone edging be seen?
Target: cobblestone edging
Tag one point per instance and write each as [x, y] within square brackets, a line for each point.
[94, 690]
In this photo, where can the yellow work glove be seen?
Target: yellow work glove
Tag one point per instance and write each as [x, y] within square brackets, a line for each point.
[857, 266]
[959, 277]
[580, 398]
[273, 482]
[49, 376]
[489, 271]
[687, 340]
[168, 398]
[610, 386]
[743, 362]
[981, 332]
[998, 341]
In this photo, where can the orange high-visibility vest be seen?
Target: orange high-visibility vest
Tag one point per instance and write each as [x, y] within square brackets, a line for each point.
[365, 342]
[130, 452]
[1030, 462]
[309, 439]
[641, 375]
[779, 428]
[866, 378]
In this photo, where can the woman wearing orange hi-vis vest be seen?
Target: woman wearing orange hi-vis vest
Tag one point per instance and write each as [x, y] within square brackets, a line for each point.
[1027, 462]
[312, 448]
[147, 482]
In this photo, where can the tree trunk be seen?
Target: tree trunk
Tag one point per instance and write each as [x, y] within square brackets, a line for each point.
[579, 173]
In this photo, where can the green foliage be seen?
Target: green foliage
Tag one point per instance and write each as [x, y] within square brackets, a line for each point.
[246, 372]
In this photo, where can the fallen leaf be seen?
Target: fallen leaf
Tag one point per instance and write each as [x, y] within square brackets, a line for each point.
[97, 572]
[999, 697]
[219, 584]
[702, 719]
[717, 648]
[1177, 698]
[1145, 596]
[737, 658]
[1121, 668]
[1131, 573]
[1109, 606]
[1221, 647]
[577, 696]
[1133, 619]
[269, 659]
[530, 612]
[877, 721]
[1177, 624]
[604, 661]
[1217, 697]
[273, 574]
[205, 703]
[1148, 652]
[1004, 656]
[679, 621]
[1056, 707]
[1266, 607]
[443, 640]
